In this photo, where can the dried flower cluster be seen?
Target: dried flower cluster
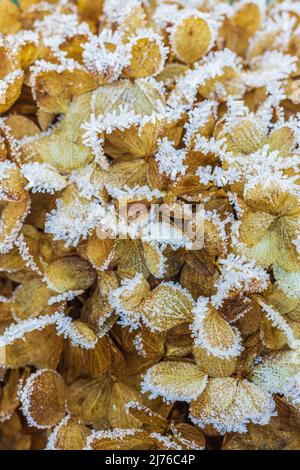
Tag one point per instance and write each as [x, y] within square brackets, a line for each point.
[131, 343]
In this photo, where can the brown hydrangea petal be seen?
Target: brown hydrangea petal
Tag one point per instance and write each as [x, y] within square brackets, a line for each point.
[179, 342]
[151, 420]
[54, 90]
[191, 28]
[147, 57]
[68, 435]
[212, 365]
[88, 401]
[97, 311]
[248, 17]
[167, 306]
[31, 299]
[189, 437]
[174, 381]
[282, 140]
[41, 349]
[12, 436]
[136, 142]
[118, 415]
[100, 252]
[9, 400]
[70, 273]
[10, 17]
[281, 433]
[121, 439]
[246, 137]
[214, 335]
[43, 399]
[94, 362]
[90, 9]
[229, 405]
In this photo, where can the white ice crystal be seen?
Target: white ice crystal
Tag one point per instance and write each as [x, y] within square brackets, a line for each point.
[75, 221]
[25, 253]
[105, 61]
[169, 159]
[238, 274]
[271, 66]
[43, 178]
[51, 443]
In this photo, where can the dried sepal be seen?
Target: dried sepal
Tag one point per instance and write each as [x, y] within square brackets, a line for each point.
[88, 400]
[127, 299]
[31, 299]
[93, 362]
[248, 16]
[11, 76]
[212, 365]
[39, 347]
[189, 437]
[70, 273]
[121, 395]
[280, 433]
[43, 399]
[97, 311]
[100, 252]
[56, 85]
[68, 435]
[192, 26]
[273, 371]
[10, 17]
[151, 419]
[147, 55]
[229, 405]
[9, 400]
[174, 381]
[167, 306]
[120, 439]
[213, 334]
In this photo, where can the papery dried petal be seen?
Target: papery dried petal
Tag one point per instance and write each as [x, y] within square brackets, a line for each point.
[43, 399]
[174, 381]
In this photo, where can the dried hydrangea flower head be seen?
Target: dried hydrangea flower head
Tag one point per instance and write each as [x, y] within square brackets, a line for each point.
[112, 335]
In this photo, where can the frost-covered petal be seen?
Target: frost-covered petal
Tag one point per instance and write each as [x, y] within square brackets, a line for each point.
[42, 177]
[167, 306]
[272, 372]
[174, 381]
[43, 399]
[289, 282]
[194, 26]
[120, 439]
[213, 334]
[229, 405]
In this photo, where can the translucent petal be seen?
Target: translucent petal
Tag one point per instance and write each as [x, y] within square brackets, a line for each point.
[167, 306]
[174, 381]
[229, 405]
